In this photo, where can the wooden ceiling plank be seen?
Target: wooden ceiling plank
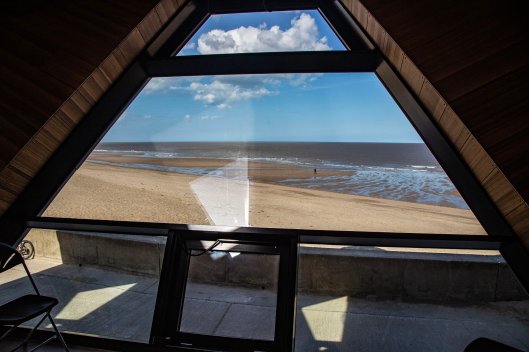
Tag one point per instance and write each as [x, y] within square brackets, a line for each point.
[112, 67]
[454, 128]
[132, 45]
[376, 32]
[519, 220]
[485, 71]
[68, 68]
[34, 114]
[150, 25]
[72, 111]
[21, 46]
[119, 12]
[412, 76]
[501, 191]
[101, 79]
[432, 101]
[93, 23]
[13, 180]
[498, 97]
[34, 74]
[359, 11]
[477, 159]
[394, 53]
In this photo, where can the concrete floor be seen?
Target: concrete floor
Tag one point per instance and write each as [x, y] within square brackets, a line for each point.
[7, 346]
[111, 304]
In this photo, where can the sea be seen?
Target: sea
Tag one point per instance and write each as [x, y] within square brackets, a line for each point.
[397, 171]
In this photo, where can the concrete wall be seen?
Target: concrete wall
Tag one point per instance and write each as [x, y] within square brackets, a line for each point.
[354, 271]
[248, 270]
[143, 255]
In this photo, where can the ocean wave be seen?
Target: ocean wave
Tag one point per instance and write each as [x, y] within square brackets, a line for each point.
[423, 167]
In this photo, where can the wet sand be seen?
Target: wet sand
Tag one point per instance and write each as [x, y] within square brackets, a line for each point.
[119, 193]
[257, 171]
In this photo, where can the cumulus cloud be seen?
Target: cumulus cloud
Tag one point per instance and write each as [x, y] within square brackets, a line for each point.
[223, 94]
[302, 35]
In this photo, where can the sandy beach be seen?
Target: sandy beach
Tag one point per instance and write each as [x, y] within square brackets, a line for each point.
[120, 193]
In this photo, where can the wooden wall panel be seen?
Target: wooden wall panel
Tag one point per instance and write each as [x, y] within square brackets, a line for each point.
[471, 57]
[57, 60]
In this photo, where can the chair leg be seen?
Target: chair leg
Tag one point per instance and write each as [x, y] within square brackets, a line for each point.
[57, 333]
[24, 343]
[8, 332]
[28, 337]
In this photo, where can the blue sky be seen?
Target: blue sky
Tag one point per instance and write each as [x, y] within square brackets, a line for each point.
[349, 107]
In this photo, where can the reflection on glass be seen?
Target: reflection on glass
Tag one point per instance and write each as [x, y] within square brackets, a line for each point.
[231, 294]
[406, 299]
[307, 151]
[278, 31]
[106, 284]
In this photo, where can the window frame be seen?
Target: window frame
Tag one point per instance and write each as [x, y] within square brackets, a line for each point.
[157, 61]
[173, 280]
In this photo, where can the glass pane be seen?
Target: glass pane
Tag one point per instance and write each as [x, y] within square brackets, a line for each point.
[306, 151]
[403, 299]
[231, 294]
[106, 284]
[263, 32]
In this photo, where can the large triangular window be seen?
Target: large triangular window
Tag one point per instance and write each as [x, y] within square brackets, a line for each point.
[324, 151]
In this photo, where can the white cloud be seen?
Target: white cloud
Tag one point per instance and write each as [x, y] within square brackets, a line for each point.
[302, 35]
[147, 116]
[163, 84]
[189, 46]
[157, 84]
[222, 94]
[223, 91]
[209, 117]
[187, 117]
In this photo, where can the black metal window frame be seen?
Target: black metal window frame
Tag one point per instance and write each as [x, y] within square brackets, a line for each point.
[171, 292]
[157, 60]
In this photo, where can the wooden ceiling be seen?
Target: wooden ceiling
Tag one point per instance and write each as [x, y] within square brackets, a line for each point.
[47, 51]
[57, 58]
[466, 61]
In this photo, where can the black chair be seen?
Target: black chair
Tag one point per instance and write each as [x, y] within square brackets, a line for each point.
[483, 344]
[27, 307]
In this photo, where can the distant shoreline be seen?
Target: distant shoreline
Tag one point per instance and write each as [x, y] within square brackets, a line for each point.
[279, 173]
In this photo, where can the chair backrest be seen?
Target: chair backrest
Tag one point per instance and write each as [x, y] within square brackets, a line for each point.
[9, 257]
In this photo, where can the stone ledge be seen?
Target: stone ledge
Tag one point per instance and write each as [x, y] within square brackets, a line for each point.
[368, 272]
